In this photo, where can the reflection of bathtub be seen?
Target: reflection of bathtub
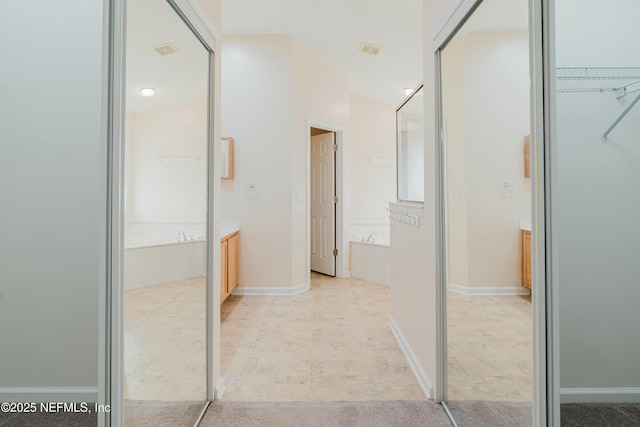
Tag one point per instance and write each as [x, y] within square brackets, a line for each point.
[371, 260]
[151, 260]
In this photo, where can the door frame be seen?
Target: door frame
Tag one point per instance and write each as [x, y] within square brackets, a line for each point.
[111, 349]
[542, 378]
[342, 232]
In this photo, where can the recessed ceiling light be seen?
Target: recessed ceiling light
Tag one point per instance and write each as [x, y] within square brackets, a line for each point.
[369, 49]
[408, 90]
[147, 91]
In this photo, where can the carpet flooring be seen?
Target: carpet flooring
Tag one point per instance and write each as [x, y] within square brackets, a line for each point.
[473, 413]
[155, 413]
[47, 419]
[338, 414]
[600, 415]
[405, 413]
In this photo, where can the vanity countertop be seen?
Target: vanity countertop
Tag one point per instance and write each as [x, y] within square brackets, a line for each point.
[226, 231]
[525, 224]
[228, 227]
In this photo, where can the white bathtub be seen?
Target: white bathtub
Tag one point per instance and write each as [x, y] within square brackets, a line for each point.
[155, 256]
[370, 260]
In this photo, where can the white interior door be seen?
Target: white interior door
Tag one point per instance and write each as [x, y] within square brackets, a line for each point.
[323, 204]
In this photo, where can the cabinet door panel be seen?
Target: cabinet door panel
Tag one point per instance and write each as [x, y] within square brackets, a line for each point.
[223, 271]
[232, 263]
[526, 259]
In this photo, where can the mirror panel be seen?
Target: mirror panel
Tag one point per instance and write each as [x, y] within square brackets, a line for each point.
[166, 144]
[486, 116]
[410, 136]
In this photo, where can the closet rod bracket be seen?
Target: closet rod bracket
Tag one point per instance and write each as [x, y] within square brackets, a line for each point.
[619, 119]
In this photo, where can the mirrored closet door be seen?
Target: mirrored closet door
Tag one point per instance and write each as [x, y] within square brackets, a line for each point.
[166, 217]
[485, 128]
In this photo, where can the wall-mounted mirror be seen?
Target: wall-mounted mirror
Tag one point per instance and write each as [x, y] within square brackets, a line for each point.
[227, 158]
[410, 140]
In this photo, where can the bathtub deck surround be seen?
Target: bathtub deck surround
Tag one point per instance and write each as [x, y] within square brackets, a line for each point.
[371, 262]
[163, 262]
[164, 253]
[370, 254]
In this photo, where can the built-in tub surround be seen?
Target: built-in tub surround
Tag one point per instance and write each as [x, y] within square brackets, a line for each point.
[369, 253]
[156, 262]
[161, 253]
[370, 232]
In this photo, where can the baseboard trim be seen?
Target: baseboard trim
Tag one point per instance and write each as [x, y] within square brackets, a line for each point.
[600, 395]
[423, 380]
[489, 291]
[219, 389]
[271, 291]
[49, 394]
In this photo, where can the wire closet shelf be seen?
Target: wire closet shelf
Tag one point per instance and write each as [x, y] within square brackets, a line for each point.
[621, 81]
[597, 79]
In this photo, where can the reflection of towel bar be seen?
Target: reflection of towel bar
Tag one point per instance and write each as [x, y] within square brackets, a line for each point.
[193, 160]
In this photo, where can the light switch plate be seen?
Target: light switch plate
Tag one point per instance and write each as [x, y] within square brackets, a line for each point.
[300, 196]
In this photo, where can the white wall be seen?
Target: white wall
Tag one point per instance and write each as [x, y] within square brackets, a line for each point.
[596, 208]
[172, 190]
[320, 93]
[487, 150]
[270, 87]
[413, 256]
[53, 216]
[453, 104]
[257, 112]
[372, 160]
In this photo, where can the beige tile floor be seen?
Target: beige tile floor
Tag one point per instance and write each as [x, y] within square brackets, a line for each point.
[330, 343]
[489, 348]
[165, 341]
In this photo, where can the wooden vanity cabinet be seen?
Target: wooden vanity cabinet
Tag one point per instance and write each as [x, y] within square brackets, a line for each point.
[526, 258]
[228, 265]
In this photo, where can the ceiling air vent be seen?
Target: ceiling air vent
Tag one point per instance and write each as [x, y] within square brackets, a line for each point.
[165, 49]
[369, 49]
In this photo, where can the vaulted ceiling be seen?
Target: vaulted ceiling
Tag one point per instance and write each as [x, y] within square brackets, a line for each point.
[334, 30]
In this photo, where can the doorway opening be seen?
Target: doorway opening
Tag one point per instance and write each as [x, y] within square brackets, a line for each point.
[323, 201]
[327, 236]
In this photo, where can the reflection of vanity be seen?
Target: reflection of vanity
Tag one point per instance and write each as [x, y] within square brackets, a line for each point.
[525, 238]
[228, 262]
